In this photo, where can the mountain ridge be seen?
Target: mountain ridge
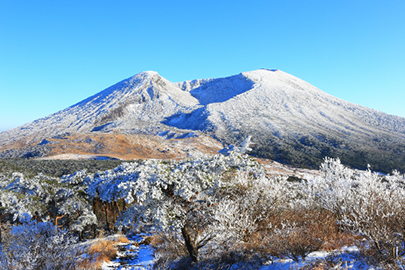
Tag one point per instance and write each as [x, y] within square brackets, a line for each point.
[282, 112]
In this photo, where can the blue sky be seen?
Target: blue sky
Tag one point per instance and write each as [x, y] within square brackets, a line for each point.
[54, 54]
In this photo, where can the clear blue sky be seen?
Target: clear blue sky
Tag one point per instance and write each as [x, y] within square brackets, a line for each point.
[54, 54]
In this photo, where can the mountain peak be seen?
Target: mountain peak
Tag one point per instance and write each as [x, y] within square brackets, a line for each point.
[143, 76]
[148, 73]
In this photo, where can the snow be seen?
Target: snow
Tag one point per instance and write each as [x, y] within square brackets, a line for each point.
[144, 258]
[77, 157]
[265, 101]
[134, 256]
[281, 101]
[347, 257]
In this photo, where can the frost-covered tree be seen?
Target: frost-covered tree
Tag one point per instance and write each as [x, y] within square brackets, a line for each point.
[219, 197]
[20, 196]
[44, 197]
[68, 203]
[178, 196]
[19, 206]
[334, 187]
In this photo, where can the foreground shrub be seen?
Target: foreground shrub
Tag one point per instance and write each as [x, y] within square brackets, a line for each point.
[366, 204]
[39, 246]
[301, 232]
[198, 200]
[340, 239]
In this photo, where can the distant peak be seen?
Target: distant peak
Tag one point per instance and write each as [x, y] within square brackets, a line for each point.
[271, 69]
[149, 73]
[262, 71]
[144, 76]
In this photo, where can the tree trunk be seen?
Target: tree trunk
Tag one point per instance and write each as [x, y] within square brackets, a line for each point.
[117, 208]
[190, 244]
[112, 212]
[93, 205]
[81, 235]
[0, 230]
[106, 216]
[124, 205]
[1, 217]
[94, 227]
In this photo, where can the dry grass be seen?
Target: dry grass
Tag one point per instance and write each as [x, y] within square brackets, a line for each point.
[122, 239]
[102, 251]
[125, 146]
[312, 229]
[338, 240]
[299, 232]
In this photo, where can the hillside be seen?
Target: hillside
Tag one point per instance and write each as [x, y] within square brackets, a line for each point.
[144, 116]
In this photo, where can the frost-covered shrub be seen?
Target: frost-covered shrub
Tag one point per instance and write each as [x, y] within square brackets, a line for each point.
[214, 199]
[364, 203]
[39, 246]
[300, 231]
[44, 197]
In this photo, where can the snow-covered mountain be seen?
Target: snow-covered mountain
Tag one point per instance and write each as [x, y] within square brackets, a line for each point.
[289, 119]
[278, 103]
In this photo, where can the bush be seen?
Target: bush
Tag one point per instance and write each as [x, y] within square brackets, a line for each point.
[366, 204]
[301, 231]
[39, 246]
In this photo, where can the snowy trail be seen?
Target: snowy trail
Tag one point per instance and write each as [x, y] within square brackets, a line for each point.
[132, 256]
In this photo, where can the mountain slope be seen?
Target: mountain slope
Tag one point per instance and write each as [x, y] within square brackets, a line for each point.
[290, 120]
[297, 123]
[276, 101]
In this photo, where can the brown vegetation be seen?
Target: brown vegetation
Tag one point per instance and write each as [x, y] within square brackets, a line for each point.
[129, 146]
[101, 251]
[308, 230]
